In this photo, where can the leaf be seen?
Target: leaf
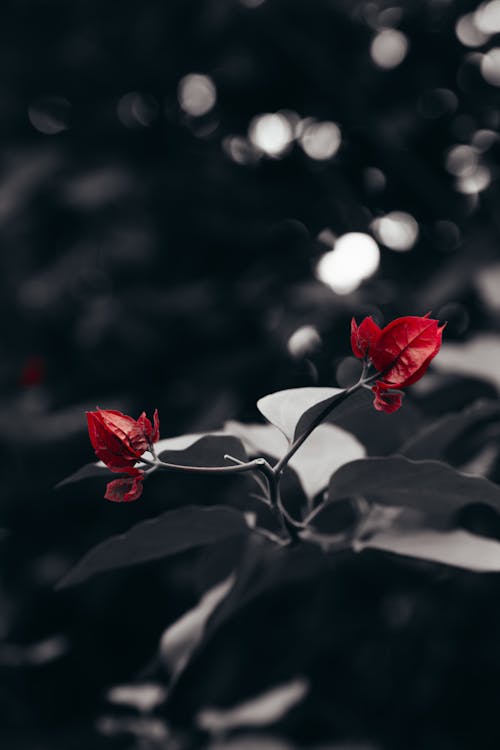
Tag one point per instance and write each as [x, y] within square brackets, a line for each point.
[181, 442]
[208, 450]
[432, 487]
[259, 438]
[479, 357]
[148, 731]
[89, 471]
[258, 740]
[173, 532]
[334, 518]
[180, 640]
[142, 696]
[456, 548]
[285, 409]
[267, 708]
[434, 440]
[264, 568]
[326, 449]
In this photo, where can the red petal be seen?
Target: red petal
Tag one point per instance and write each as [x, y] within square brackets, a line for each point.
[368, 333]
[354, 340]
[405, 348]
[141, 434]
[156, 423]
[364, 337]
[108, 445]
[33, 372]
[145, 425]
[144, 434]
[118, 424]
[386, 400]
[124, 490]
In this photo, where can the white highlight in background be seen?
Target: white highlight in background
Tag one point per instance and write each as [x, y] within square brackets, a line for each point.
[490, 66]
[468, 32]
[320, 140]
[396, 230]
[354, 258]
[197, 94]
[487, 17]
[271, 133]
[389, 48]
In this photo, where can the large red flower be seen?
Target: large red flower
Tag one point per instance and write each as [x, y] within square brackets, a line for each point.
[119, 441]
[401, 353]
[404, 349]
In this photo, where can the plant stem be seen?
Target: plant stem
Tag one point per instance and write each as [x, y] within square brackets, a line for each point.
[271, 473]
[258, 463]
[338, 399]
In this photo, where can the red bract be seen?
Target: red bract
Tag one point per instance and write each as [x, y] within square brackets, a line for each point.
[385, 399]
[33, 372]
[364, 337]
[404, 349]
[401, 352]
[125, 490]
[119, 441]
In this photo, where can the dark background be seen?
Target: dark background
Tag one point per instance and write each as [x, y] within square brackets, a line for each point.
[152, 257]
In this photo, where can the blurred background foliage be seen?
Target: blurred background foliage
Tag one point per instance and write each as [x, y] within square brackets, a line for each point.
[195, 198]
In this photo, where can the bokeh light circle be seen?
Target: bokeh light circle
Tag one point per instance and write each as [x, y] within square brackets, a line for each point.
[389, 48]
[354, 258]
[49, 114]
[320, 140]
[468, 33]
[397, 230]
[197, 94]
[271, 133]
[490, 66]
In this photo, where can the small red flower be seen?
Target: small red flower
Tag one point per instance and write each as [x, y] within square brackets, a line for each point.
[401, 353]
[32, 372]
[119, 441]
[386, 399]
[125, 490]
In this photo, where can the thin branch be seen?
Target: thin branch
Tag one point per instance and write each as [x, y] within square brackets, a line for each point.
[338, 399]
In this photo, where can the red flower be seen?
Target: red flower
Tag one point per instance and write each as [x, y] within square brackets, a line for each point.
[405, 348]
[33, 372]
[119, 441]
[401, 353]
[385, 399]
[125, 490]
